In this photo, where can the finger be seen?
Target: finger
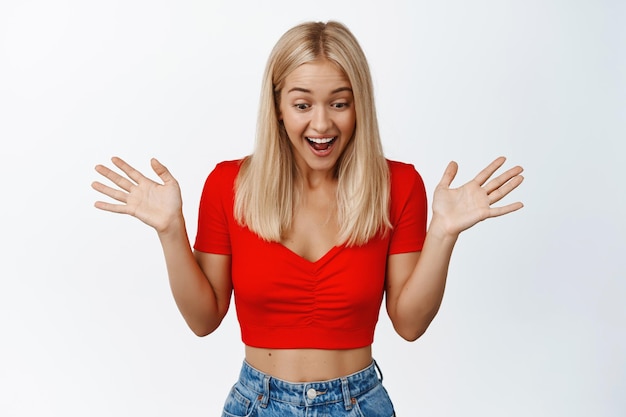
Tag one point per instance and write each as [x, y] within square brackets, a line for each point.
[128, 170]
[161, 170]
[501, 211]
[486, 173]
[505, 189]
[449, 174]
[114, 177]
[115, 194]
[503, 178]
[114, 208]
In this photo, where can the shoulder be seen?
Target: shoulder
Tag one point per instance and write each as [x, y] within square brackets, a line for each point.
[223, 176]
[228, 168]
[408, 205]
[399, 167]
[406, 186]
[226, 171]
[402, 174]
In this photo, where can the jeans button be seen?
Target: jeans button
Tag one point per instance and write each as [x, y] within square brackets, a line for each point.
[311, 393]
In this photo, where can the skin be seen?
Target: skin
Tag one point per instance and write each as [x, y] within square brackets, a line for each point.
[316, 101]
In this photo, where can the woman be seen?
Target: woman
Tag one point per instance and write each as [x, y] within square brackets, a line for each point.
[310, 231]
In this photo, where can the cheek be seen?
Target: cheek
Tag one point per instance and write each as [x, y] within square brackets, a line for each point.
[349, 124]
[294, 121]
[292, 127]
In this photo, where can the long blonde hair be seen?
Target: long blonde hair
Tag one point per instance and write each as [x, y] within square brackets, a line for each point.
[265, 194]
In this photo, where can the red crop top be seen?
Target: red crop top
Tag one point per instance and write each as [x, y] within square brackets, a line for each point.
[285, 301]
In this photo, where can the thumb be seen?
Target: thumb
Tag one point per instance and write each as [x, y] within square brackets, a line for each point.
[161, 170]
[449, 174]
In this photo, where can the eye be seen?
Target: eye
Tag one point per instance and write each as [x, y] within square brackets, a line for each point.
[301, 106]
[340, 106]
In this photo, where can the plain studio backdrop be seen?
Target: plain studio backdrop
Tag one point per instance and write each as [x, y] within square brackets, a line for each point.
[534, 318]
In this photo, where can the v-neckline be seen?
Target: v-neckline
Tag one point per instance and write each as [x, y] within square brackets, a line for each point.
[329, 253]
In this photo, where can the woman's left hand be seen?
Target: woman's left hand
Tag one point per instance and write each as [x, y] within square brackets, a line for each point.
[458, 209]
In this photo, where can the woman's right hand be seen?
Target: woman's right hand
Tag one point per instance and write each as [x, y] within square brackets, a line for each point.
[157, 205]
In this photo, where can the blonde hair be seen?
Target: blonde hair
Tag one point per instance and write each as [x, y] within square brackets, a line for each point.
[266, 193]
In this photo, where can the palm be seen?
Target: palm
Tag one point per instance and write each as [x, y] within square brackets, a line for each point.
[460, 208]
[155, 204]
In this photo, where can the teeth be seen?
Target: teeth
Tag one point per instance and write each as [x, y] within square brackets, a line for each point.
[320, 140]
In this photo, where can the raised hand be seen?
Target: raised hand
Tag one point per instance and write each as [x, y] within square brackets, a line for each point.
[458, 209]
[157, 205]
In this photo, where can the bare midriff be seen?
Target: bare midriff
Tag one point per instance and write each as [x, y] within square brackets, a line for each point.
[307, 365]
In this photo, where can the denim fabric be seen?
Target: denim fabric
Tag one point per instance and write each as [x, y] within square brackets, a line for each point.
[260, 395]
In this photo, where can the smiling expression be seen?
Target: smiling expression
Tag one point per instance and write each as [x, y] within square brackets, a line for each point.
[317, 110]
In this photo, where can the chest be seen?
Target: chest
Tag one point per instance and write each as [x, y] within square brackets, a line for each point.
[314, 230]
[343, 282]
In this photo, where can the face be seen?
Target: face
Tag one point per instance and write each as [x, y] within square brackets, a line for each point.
[317, 110]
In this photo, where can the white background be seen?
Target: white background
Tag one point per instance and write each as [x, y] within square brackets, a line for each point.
[534, 318]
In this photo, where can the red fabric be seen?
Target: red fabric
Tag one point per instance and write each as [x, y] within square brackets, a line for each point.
[285, 301]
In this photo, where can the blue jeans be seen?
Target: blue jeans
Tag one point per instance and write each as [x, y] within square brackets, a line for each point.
[260, 395]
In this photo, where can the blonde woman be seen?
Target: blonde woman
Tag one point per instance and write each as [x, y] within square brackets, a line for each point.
[309, 232]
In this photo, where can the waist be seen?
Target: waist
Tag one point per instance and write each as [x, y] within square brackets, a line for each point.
[309, 393]
[303, 365]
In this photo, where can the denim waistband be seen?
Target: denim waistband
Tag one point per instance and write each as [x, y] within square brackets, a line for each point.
[342, 389]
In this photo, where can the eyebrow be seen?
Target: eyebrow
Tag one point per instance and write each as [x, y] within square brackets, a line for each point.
[335, 91]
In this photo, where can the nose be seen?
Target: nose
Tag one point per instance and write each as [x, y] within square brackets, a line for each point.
[320, 119]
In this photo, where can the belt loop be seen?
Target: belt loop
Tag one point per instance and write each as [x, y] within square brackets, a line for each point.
[347, 398]
[380, 379]
[266, 391]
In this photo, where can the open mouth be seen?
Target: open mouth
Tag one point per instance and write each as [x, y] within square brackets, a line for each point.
[321, 144]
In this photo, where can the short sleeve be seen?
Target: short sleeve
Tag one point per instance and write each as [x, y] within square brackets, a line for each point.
[215, 214]
[409, 209]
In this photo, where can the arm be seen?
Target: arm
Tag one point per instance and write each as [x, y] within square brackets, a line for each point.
[200, 283]
[416, 281]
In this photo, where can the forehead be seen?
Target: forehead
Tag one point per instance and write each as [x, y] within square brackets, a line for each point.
[317, 75]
